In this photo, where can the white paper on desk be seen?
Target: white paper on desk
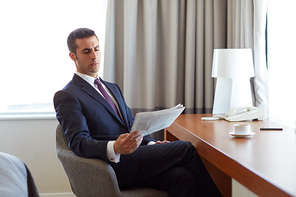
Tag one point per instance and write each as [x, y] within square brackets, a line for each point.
[150, 122]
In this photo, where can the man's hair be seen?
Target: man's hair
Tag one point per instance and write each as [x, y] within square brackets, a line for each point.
[79, 33]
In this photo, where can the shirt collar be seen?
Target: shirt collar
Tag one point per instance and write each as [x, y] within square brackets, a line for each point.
[87, 78]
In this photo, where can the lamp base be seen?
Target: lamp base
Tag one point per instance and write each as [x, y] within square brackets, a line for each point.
[231, 94]
[222, 96]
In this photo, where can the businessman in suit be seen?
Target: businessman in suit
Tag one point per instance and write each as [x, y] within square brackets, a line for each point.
[96, 127]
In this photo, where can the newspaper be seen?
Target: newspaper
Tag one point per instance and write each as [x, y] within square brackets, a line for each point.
[150, 122]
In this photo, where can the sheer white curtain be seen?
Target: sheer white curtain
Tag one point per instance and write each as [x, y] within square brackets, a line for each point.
[281, 61]
[246, 29]
[160, 52]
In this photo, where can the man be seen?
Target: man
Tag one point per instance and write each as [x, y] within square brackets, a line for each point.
[96, 127]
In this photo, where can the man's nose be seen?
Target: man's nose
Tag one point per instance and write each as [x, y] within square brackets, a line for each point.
[93, 54]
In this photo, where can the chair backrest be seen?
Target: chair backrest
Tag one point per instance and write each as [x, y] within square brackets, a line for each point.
[15, 177]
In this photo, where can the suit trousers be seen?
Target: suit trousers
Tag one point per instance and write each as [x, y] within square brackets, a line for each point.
[175, 167]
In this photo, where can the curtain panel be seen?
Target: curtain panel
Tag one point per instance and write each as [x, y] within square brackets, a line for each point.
[160, 51]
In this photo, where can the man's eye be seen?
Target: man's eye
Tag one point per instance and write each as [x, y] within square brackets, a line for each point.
[86, 52]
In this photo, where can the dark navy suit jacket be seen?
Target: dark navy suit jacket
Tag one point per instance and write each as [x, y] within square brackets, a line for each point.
[89, 122]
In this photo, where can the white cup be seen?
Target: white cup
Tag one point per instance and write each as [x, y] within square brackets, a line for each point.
[242, 129]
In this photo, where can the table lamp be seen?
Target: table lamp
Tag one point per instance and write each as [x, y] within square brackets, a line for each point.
[233, 69]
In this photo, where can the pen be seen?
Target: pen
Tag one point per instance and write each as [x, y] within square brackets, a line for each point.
[271, 128]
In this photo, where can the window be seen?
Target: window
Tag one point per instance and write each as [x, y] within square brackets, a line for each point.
[34, 54]
[281, 62]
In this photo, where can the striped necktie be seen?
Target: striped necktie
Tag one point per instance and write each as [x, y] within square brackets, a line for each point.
[106, 95]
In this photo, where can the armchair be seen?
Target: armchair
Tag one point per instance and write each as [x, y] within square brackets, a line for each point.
[94, 177]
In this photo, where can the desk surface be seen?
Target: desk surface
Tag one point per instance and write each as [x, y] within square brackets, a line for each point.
[265, 163]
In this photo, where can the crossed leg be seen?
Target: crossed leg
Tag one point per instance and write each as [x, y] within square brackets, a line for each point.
[175, 167]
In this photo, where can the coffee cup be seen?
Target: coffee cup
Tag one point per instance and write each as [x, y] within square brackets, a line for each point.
[242, 129]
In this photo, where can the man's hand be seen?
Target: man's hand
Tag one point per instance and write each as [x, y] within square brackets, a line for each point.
[127, 143]
[162, 142]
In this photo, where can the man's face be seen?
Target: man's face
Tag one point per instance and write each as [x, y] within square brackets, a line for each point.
[88, 56]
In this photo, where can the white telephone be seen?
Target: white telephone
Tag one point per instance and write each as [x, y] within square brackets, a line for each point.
[241, 114]
[245, 113]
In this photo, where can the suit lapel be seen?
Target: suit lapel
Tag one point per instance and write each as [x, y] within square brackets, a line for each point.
[117, 97]
[88, 89]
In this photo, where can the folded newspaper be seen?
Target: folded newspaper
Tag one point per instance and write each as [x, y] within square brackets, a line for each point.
[150, 122]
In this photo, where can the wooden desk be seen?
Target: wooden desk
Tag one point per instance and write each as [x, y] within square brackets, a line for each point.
[265, 163]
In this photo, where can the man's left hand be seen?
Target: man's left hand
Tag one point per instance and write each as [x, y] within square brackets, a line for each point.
[162, 142]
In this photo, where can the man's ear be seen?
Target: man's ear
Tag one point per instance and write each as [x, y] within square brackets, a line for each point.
[72, 56]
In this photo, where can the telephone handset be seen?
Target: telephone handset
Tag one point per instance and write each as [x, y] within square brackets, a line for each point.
[241, 114]
[245, 113]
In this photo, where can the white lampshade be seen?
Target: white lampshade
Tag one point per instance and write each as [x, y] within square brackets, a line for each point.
[233, 69]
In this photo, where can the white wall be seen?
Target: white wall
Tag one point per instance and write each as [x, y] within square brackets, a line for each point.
[33, 141]
[238, 190]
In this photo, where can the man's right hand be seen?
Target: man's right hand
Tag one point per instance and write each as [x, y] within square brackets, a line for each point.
[127, 143]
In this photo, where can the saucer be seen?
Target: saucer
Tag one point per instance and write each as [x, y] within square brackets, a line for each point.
[242, 135]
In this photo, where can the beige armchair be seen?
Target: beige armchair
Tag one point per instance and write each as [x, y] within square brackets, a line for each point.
[94, 177]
